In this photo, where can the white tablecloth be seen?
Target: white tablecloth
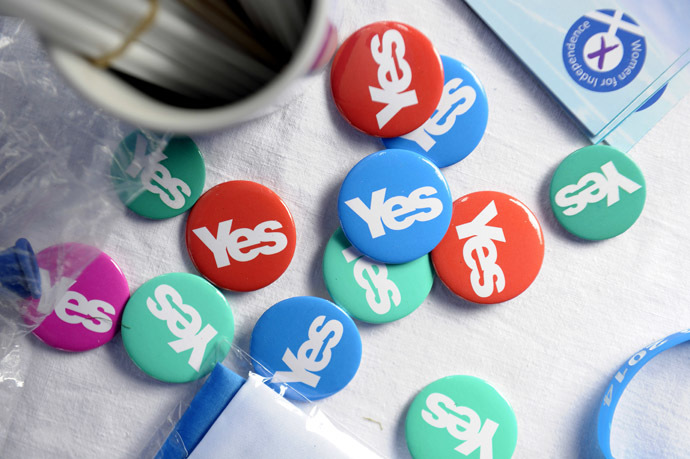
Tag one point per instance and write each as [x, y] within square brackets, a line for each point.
[550, 352]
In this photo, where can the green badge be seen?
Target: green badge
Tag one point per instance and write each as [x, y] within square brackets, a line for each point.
[175, 327]
[372, 291]
[597, 192]
[460, 416]
[155, 182]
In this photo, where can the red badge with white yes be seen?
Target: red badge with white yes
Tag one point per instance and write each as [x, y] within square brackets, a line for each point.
[240, 236]
[493, 249]
[387, 79]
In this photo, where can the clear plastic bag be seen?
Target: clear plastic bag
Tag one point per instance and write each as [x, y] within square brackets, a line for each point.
[56, 188]
[58, 156]
[232, 416]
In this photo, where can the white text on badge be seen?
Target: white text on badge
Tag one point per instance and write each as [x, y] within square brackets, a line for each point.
[190, 334]
[322, 339]
[463, 423]
[384, 211]
[171, 190]
[481, 245]
[383, 290]
[263, 238]
[94, 315]
[602, 186]
[393, 88]
[455, 101]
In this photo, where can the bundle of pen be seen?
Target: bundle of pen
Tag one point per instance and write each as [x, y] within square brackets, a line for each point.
[190, 53]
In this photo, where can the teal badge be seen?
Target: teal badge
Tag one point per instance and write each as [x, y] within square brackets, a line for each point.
[460, 416]
[372, 291]
[177, 326]
[158, 180]
[597, 192]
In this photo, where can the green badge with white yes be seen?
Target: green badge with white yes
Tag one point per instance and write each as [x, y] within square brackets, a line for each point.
[597, 192]
[158, 180]
[460, 416]
[371, 291]
[177, 326]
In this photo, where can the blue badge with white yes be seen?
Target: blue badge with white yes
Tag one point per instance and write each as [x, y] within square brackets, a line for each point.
[457, 125]
[395, 206]
[308, 346]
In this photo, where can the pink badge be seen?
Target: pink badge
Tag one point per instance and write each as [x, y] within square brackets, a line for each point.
[86, 291]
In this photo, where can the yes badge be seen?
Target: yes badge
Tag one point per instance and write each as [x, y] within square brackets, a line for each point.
[307, 345]
[394, 206]
[460, 416]
[493, 249]
[85, 290]
[386, 79]
[457, 125]
[156, 180]
[597, 192]
[371, 291]
[177, 326]
[240, 236]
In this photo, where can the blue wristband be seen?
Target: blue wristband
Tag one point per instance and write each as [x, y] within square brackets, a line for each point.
[621, 380]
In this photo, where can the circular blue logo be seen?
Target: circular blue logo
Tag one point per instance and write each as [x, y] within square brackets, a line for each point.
[395, 206]
[458, 124]
[307, 346]
[604, 50]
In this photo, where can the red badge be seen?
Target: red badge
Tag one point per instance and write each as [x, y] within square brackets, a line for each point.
[387, 79]
[493, 249]
[240, 236]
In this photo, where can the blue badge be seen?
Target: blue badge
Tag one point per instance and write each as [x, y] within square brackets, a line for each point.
[308, 346]
[604, 50]
[395, 206]
[457, 125]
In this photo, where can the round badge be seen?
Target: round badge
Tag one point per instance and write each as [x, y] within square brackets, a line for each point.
[457, 125]
[306, 345]
[394, 206]
[177, 326]
[386, 79]
[460, 416]
[86, 292]
[240, 236]
[371, 291]
[493, 249]
[597, 192]
[158, 182]
[604, 50]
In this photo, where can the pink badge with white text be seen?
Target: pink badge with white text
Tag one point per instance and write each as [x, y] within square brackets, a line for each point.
[86, 291]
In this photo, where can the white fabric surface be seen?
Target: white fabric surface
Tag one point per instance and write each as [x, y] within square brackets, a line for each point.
[260, 423]
[550, 351]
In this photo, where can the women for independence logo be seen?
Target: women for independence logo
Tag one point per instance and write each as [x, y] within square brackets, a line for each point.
[604, 50]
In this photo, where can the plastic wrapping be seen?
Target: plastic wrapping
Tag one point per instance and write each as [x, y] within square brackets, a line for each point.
[235, 416]
[56, 188]
[61, 170]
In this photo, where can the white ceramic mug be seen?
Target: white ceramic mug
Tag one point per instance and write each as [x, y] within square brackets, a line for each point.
[318, 43]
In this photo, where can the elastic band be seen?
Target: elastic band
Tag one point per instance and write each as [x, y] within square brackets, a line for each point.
[105, 60]
[623, 378]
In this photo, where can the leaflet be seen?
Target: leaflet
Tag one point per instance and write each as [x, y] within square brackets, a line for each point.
[617, 67]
